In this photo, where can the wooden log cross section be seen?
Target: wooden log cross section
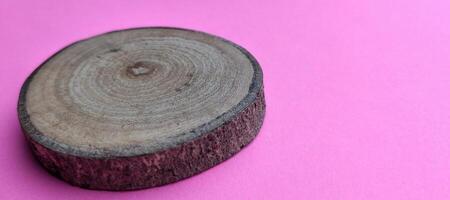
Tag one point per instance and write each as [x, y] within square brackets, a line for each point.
[141, 107]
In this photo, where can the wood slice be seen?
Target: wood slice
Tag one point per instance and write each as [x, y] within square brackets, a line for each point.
[141, 107]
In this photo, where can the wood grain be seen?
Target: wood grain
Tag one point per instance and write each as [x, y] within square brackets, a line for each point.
[141, 107]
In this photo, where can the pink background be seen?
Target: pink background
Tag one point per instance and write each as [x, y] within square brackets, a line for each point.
[358, 95]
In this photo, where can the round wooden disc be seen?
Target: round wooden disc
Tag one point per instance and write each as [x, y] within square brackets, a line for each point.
[141, 107]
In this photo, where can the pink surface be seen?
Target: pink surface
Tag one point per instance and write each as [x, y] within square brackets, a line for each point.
[358, 95]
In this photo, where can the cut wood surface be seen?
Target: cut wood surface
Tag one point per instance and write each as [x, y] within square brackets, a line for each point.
[142, 107]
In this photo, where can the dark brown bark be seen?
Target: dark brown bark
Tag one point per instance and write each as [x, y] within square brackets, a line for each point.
[159, 168]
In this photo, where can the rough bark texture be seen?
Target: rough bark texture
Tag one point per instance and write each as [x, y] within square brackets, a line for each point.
[158, 168]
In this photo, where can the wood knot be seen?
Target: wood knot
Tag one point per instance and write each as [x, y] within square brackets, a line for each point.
[141, 68]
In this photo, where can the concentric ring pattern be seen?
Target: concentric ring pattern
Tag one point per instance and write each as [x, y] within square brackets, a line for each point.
[136, 88]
